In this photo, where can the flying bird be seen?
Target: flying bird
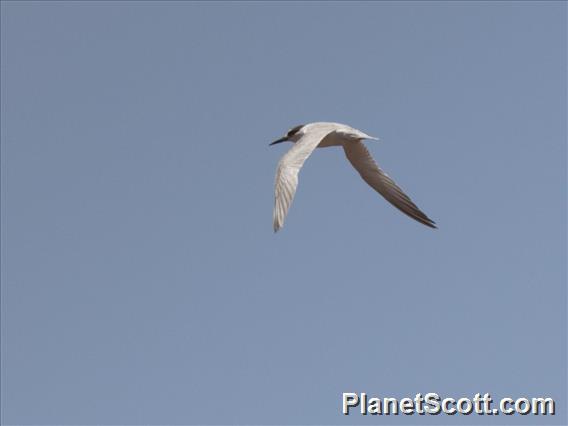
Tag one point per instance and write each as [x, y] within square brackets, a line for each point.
[306, 138]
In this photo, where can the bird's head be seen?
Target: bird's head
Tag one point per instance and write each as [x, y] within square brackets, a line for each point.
[293, 135]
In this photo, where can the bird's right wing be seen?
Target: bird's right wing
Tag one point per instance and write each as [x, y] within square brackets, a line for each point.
[361, 159]
[287, 173]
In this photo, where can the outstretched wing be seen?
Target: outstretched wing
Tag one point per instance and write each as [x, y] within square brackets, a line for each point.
[287, 173]
[361, 159]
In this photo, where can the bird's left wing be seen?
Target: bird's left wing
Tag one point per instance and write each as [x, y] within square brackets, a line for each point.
[287, 173]
[361, 159]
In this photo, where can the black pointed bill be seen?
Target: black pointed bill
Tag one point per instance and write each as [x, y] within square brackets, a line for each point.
[282, 139]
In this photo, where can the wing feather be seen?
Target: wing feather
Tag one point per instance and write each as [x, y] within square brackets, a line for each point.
[287, 171]
[360, 157]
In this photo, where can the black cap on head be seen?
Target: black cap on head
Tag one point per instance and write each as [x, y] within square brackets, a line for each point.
[294, 130]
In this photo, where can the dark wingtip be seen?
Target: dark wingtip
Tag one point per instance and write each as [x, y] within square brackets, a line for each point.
[428, 222]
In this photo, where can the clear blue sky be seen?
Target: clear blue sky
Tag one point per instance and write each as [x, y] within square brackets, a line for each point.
[141, 279]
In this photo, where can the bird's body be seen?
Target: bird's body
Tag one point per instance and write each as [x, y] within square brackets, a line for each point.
[308, 137]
